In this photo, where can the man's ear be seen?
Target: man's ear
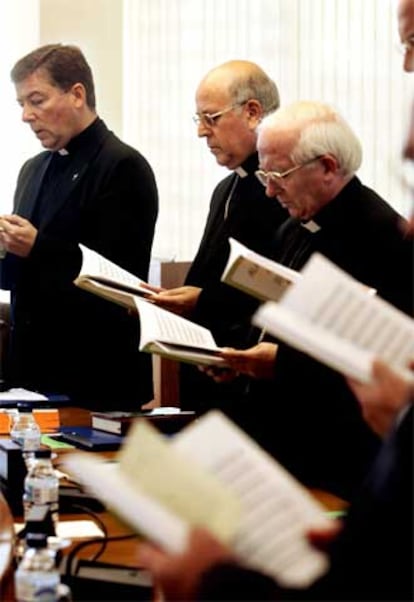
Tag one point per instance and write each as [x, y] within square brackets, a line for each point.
[79, 94]
[254, 111]
[330, 163]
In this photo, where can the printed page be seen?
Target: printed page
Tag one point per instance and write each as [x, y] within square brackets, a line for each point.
[159, 325]
[335, 318]
[98, 268]
[256, 275]
[276, 510]
[122, 496]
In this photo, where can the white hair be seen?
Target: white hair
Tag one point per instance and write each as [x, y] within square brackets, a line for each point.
[320, 130]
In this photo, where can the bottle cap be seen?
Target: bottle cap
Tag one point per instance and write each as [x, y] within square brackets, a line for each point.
[43, 453]
[36, 540]
[24, 408]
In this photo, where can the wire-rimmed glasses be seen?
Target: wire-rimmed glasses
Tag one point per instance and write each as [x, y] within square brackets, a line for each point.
[210, 119]
[278, 176]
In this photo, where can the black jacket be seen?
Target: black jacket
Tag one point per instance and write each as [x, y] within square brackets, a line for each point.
[64, 339]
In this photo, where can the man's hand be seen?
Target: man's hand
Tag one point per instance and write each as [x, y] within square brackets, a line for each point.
[382, 400]
[181, 300]
[257, 362]
[178, 575]
[17, 235]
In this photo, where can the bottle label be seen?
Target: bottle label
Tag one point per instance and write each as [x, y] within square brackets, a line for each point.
[36, 586]
[37, 493]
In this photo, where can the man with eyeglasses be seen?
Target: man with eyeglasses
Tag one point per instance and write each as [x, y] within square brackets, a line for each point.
[231, 100]
[308, 159]
[87, 187]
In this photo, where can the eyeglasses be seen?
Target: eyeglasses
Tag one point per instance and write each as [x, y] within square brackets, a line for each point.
[210, 119]
[277, 176]
[407, 45]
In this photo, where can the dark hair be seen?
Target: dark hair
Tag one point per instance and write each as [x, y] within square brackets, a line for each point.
[65, 66]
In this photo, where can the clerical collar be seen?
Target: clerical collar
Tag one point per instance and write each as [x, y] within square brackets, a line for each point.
[241, 172]
[248, 167]
[311, 226]
[63, 152]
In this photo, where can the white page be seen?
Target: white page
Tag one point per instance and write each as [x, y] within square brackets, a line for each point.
[330, 315]
[258, 276]
[157, 324]
[142, 512]
[95, 266]
[277, 511]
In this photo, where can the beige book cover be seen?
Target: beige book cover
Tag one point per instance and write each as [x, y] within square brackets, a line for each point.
[256, 275]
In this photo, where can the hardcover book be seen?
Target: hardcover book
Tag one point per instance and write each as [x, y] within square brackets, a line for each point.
[256, 275]
[167, 420]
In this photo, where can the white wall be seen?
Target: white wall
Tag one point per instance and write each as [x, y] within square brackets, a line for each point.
[18, 35]
[149, 55]
[339, 51]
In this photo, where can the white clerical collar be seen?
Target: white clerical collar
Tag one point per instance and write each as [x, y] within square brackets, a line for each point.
[242, 173]
[63, 152]
[311, 226]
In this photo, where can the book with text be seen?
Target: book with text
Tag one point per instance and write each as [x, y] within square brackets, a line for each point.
[174, 337]
[106, 279]
[211, 474]
[338, 321]
[256, 275]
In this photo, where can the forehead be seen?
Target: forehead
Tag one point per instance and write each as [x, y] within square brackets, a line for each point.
[38, 81]
[276, 142]
[212, 94]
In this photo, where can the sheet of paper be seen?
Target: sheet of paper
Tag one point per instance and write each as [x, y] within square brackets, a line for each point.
[96, 266]
[334, 318]
[19, 394]
[149, 461]
[157, 324]
[276, 510]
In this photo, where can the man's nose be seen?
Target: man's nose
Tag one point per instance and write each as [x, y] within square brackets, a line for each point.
[272, 188]
[203, 130]
[27, 114]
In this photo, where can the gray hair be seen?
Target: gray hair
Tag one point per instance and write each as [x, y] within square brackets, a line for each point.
[258, 86]
[320, 130]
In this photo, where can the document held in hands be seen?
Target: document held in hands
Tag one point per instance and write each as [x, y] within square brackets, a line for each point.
[332, 317]
[172, 336]
[212, 474]
[256, 275]
[106, 279]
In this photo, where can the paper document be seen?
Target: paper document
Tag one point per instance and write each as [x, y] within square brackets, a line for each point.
[256, 275]
[338, 321]
[211, 473]
[170, 335]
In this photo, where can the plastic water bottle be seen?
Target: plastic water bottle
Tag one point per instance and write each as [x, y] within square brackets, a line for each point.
[37, 577]
[41, 490]
[26, 432]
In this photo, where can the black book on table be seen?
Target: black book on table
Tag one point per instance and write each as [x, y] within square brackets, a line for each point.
[118, 423]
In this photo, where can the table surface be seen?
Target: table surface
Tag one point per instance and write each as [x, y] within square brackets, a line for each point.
[123, 552]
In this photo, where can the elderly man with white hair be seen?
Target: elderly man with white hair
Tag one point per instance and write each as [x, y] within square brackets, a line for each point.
[309, 157]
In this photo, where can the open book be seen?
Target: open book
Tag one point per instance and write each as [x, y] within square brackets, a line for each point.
[212, 474]
[106, 279]
[256, 275]
[172, 336]
[332, 317]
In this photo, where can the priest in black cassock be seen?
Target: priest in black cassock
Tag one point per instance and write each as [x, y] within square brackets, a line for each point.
[87, 187]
